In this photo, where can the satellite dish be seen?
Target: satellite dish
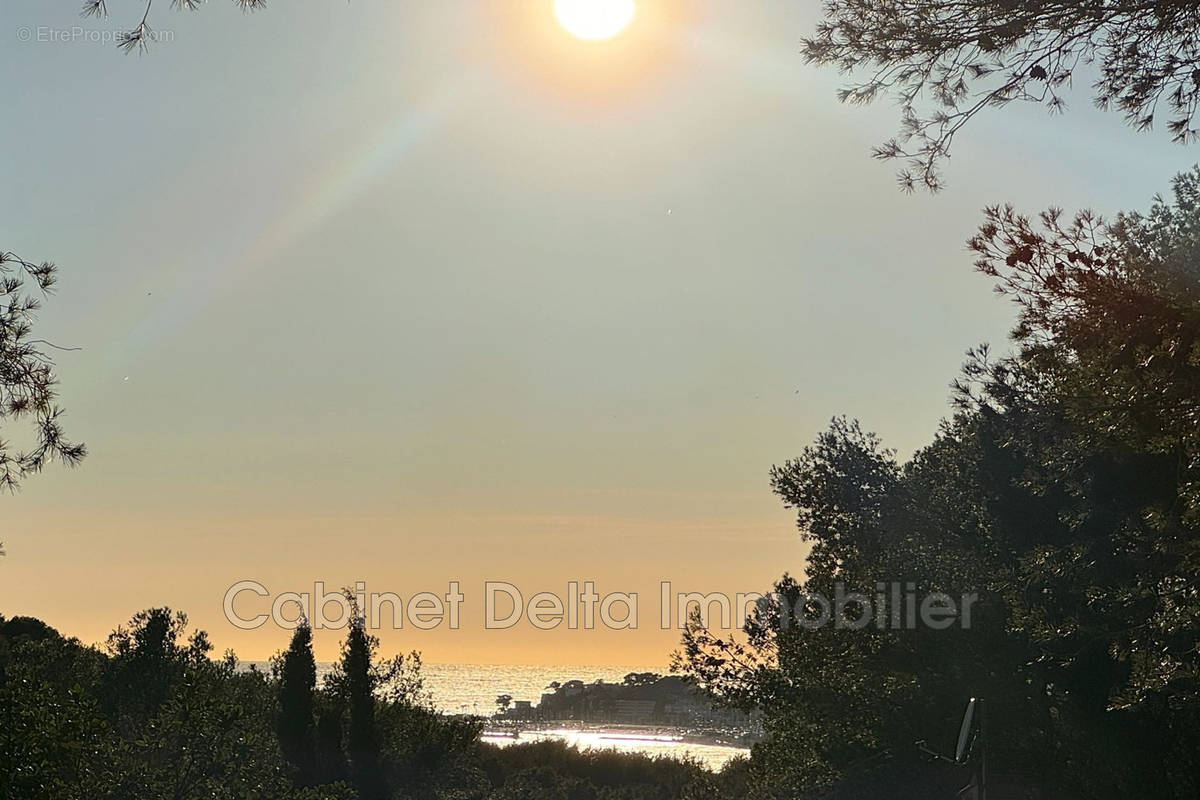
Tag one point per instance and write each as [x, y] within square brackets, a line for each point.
[966, 732]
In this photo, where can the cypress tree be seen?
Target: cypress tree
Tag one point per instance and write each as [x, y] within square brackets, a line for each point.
[362, 737]
[297, 683]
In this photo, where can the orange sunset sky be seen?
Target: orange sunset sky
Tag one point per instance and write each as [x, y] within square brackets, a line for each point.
[455, 295]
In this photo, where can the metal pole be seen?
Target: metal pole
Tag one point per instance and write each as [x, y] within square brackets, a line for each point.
[982, 752]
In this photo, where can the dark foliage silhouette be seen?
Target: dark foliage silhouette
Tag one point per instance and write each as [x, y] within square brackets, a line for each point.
[1065, 491]
[296, 673]
[28, 385]
[152, 716]
[946, 62]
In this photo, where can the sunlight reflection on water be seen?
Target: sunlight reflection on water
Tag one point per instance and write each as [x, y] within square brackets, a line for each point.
[713, 756]
[473, 688]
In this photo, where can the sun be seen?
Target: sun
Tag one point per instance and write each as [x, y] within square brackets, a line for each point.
[594, 19]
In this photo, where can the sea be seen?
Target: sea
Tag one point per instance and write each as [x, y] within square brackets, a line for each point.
[473, 689]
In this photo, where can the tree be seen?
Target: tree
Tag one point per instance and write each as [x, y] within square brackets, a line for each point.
[52, 726]
[503, 702]
[140, 37]
[71, 729]
[1064, 491]
[27, 380]
[297, 677]
[641, 679]
[363, 740]
[212, 734]
[1109, 327]
[354, 681]
[150, 658]
[946, 62]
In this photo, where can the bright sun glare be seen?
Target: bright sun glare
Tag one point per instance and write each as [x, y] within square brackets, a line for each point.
[594, 19]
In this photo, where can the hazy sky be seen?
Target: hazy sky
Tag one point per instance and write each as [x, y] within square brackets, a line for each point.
[413, 292]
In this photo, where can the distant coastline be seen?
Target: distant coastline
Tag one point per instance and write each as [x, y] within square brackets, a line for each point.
[472, 690]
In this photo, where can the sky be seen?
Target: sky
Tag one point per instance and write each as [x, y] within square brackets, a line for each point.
[417, 292]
